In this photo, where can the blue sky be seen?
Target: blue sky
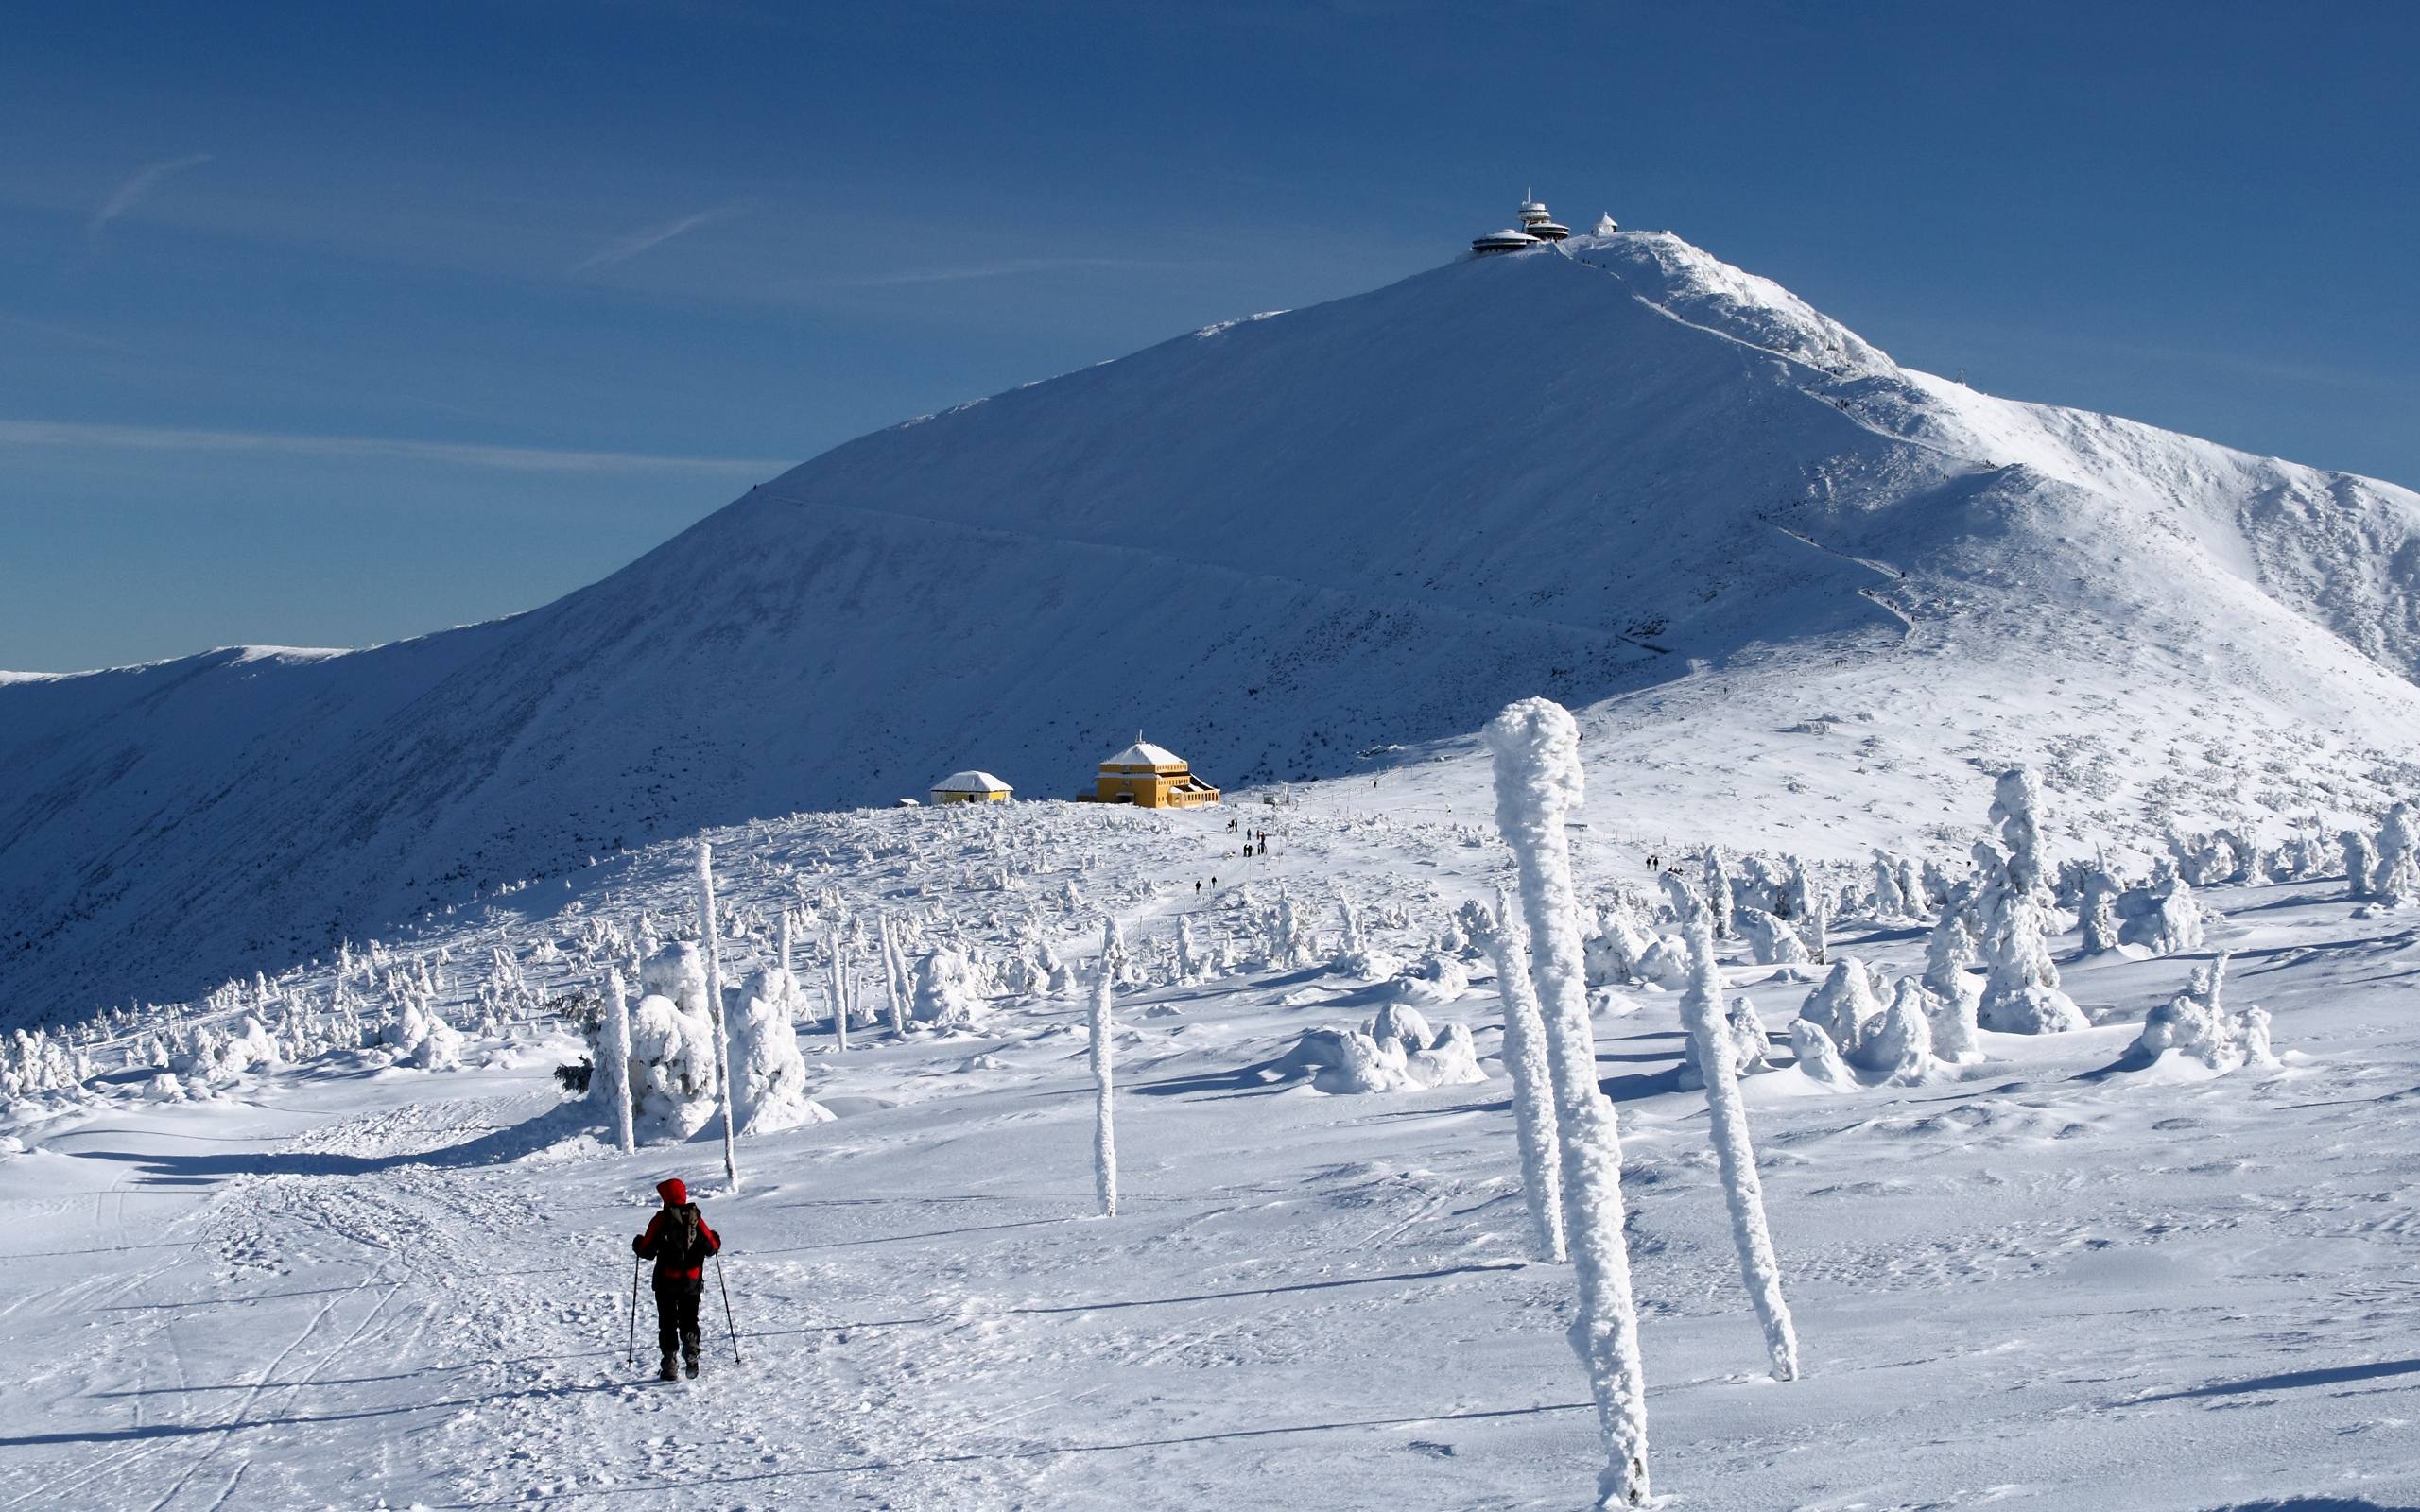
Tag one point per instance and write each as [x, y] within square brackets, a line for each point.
[327, 324]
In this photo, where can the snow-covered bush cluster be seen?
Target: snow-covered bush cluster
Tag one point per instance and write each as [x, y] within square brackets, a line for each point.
[2197, 1024]
[1394, 1052]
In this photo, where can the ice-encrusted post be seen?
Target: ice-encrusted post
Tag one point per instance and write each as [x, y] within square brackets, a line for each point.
[711, 938]
[785, 946]
[616, 1055]
[1105, 1126]
[839, 990]
[1734, 1155]
[1524, 1056]
[1538, 784]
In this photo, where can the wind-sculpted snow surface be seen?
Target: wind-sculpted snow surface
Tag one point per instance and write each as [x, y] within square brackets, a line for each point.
[1668, 492]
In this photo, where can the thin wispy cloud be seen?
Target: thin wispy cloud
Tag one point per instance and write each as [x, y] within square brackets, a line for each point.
[622, 249]
[1011, 268]
[70, 434]
[126, 196]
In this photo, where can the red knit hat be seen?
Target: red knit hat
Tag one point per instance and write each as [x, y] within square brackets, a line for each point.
[672, 1191]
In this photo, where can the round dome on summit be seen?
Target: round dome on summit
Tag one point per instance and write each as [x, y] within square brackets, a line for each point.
[1502, 241]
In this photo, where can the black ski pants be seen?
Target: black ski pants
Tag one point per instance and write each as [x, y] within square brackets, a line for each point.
[676, 1314]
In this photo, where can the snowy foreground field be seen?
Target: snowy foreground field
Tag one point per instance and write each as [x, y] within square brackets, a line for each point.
[2048, 1281]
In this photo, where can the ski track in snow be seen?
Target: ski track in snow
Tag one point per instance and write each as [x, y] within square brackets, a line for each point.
[2046, 1284]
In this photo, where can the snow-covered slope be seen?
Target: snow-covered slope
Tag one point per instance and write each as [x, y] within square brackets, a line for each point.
[1758, 556]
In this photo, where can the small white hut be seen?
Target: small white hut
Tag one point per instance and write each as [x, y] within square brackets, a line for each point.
[971, 787]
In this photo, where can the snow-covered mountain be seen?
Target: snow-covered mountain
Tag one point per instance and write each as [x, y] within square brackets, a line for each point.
[1760, 558]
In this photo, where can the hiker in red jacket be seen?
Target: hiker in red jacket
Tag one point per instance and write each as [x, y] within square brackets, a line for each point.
[678, 1240]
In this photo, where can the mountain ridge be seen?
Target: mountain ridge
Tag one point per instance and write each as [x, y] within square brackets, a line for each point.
[1616, 471]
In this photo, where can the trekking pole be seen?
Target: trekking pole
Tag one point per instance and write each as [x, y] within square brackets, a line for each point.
[630, 1352]
[728, 1326]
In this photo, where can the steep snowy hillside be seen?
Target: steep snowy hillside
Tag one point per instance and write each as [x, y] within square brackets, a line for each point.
[1758, 556]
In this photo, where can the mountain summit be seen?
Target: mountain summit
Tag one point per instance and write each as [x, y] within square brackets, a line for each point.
[1795, 590]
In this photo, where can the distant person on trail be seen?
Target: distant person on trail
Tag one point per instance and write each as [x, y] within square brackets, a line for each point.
[678, 1240]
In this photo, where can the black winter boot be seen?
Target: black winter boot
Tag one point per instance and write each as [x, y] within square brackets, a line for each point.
[668, 1373]
[691, 1362]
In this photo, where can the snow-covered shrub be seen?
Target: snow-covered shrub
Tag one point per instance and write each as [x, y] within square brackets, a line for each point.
[1889, 901]
[1614, 951]
[1819, 1059]
[769, 1089]
[1438, 979]
[673, 1085]
[1950, 948]
[1844, 1007]
[1900, 1043]
[1718, 892]
[1811, 910]
[946, 994]
[1402, 1024]
[2095, 909]
[1770, 941]
[1290, 944]
[2395, 879]
[2361, 863]
[1192, 965]
[1396, 1052]
[425, 1040]
[1751, 1051]
[1951, 1020]
[677, 971]
[1664, 963]
[2021, 989]
[2160, 917]
[1366, 963]
[2196, 1022]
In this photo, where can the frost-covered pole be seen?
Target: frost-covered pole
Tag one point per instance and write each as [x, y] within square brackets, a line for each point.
[1524, 1056]
[785, 943]
[839, 993]
[1104, 1128]
[894, 978]
[711, 938]
[1734, 1155]
[1537, 785]
[617, 1060]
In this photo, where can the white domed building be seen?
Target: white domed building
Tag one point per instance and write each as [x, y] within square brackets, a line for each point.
[1538, 227]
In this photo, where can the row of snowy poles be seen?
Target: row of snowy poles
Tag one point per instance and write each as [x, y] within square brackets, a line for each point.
[1570, 1139]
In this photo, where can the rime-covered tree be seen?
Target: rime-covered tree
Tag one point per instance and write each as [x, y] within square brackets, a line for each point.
[1718, 892]
[2361, 863]
[2021, 989]
[2396, 881]
[2097, 911]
